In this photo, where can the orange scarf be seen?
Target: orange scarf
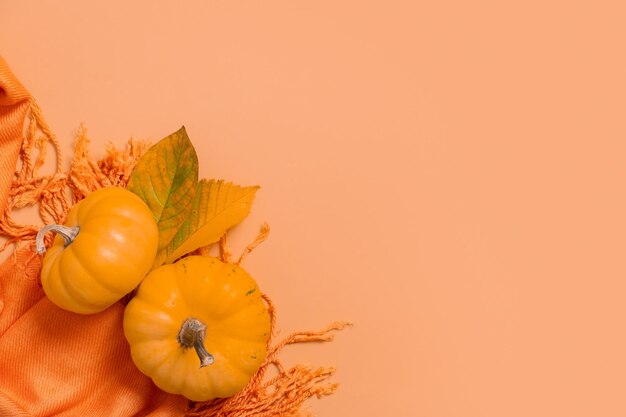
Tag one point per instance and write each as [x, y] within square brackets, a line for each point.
[57, 363]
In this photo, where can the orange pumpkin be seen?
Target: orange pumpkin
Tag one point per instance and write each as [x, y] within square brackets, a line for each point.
[104, 250]
[198, 327]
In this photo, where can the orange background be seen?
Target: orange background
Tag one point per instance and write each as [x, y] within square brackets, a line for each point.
[448, 175]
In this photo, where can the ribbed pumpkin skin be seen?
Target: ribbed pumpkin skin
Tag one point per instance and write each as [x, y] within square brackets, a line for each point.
[112, 253]
[226, 299]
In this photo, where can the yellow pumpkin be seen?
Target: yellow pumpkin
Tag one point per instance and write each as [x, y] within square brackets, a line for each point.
[104, 250]
[198, 327]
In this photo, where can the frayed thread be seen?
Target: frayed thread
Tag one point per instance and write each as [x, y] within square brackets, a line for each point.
[55, 193]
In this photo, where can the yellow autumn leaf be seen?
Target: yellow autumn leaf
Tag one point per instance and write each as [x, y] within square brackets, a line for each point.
[217, 206]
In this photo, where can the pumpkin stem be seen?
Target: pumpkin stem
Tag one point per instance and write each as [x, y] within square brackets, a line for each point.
[67, 233]
[191, 335]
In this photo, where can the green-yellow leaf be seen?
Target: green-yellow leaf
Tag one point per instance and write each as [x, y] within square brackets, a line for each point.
[217, 206]
[166, 178]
